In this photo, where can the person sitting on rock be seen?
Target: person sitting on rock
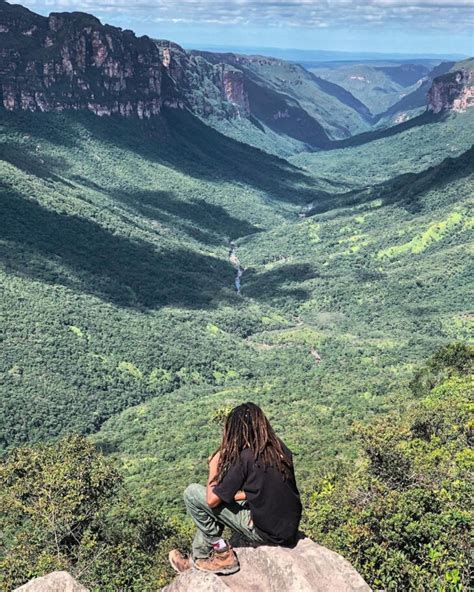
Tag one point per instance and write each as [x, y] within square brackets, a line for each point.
[251, 489]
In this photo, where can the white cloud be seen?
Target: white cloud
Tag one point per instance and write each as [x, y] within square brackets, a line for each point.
[413, 14]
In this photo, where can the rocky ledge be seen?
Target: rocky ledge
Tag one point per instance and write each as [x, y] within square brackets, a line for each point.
[58, 581]
[308, 567]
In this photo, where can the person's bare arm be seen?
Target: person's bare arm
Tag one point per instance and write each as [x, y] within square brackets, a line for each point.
[212, 499]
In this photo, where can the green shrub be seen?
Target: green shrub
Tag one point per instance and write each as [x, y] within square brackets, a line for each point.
[402, 517]
[63, 508]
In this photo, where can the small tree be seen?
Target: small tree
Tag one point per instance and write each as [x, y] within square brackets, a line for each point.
[63, 507]
[50, 495]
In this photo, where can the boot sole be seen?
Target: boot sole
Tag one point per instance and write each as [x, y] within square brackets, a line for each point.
[221, 572]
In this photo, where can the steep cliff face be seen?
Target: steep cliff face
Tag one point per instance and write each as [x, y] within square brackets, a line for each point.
[234, 89]
[210, 89]
[415, 102]
[453, 91]
[72, 61]
[291, 100]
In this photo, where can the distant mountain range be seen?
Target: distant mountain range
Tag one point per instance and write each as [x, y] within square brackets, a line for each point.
[321, 55]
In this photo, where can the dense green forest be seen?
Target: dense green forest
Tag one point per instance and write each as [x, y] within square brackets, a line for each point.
[120, 322]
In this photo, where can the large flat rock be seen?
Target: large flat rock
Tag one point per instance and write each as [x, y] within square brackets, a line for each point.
[57, 581]
[308, 567]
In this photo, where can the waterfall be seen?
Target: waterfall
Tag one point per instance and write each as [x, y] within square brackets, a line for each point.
[234, 260]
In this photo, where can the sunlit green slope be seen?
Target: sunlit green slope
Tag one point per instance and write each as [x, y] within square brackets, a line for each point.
[115, 240]
[382, 157]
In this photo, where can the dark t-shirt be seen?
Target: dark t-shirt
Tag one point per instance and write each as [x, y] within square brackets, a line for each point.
[274, 501]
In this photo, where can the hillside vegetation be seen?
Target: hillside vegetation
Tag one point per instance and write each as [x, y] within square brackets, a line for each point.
[111, 238]
[404, 515]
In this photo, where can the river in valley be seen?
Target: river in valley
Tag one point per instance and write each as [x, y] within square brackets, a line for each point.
[239, 270]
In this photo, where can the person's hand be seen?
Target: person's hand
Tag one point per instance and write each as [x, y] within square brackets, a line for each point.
[240, 496]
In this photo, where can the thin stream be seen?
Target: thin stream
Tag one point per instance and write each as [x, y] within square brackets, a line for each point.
[234, 260]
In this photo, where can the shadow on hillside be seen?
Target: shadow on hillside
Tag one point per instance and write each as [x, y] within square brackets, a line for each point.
[39, 165]
[179, 140]
[403, 190]
[279, 282]
[53, 128]
[72, 251]
[203, 221]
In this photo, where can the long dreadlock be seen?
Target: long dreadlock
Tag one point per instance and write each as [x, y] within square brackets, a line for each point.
[247, 427]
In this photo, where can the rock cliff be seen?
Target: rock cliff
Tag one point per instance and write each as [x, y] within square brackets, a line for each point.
[454, 90]
[72, 61]
[209, 88]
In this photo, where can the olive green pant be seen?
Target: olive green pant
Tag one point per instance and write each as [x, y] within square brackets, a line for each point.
[210, 522]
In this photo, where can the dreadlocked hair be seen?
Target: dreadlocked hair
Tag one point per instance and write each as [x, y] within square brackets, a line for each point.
[247, 427]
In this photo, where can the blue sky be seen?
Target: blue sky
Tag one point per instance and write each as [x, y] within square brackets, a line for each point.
[394, 26]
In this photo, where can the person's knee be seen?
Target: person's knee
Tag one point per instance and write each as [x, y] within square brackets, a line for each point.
[195, 494]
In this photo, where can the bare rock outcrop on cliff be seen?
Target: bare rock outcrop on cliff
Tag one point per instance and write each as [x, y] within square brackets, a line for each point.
[308, 567]
[72, 61]
[58, 581]
[210, 89]
[453, 91]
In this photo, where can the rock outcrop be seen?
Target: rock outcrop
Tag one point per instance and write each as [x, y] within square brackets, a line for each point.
[209, 88]
[72, 61]
[308, 567]
[453, 91]
[57, 581]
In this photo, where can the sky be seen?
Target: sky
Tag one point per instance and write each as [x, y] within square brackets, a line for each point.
[387, 26]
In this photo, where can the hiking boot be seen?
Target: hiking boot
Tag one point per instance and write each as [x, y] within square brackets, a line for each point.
[222, 562]
[179, 562]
